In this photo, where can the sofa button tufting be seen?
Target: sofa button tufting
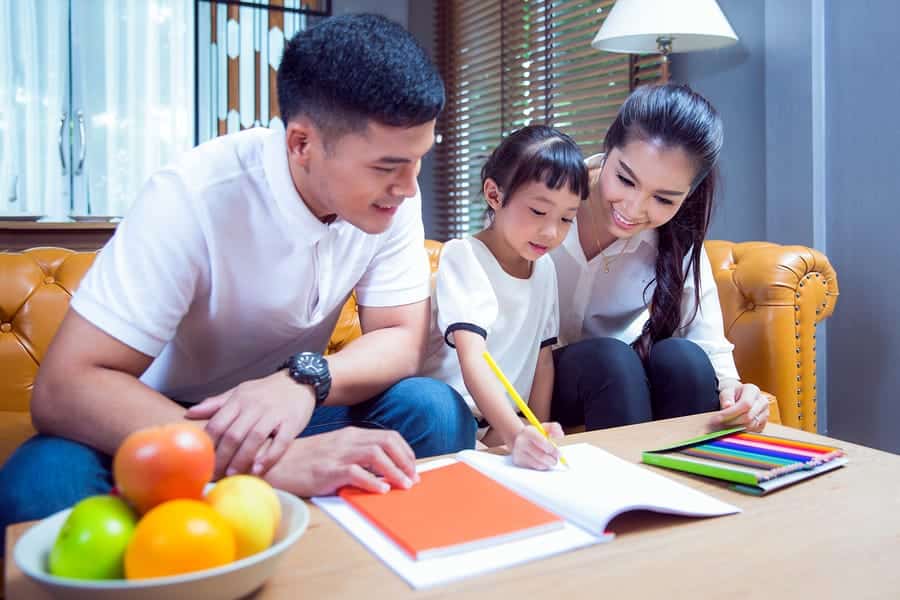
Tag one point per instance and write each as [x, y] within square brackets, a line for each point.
[48, 280]
[6, 327]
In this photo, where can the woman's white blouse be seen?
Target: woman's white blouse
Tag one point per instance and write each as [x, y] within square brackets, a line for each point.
[596, 303]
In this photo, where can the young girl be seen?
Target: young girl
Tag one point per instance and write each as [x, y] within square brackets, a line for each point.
[641, 325]
[496, 291]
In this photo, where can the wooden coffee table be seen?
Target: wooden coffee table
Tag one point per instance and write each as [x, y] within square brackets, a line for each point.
[835, 536]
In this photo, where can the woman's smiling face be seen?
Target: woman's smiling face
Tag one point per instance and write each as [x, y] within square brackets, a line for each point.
[641, 186]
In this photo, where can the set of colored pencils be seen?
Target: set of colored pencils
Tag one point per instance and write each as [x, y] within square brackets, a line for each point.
[773, 456]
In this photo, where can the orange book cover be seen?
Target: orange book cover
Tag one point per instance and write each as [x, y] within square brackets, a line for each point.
[452, 509]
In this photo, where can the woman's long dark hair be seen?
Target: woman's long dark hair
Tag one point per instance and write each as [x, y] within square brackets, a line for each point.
[677, 117]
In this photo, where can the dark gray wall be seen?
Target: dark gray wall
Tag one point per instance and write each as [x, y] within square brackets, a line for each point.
[863, 207]
[795, 141]
[733, 79]
[418, 17]
[788, 122]
[393, 9]
[421, 24]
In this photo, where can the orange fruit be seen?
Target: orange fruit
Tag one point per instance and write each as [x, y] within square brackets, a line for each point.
[158, 464]
[177, 537]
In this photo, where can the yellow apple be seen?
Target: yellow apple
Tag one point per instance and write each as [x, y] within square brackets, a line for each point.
[251, 508]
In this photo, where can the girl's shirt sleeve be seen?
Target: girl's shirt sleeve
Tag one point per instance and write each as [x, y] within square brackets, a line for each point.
[550, 334]
[464, 296]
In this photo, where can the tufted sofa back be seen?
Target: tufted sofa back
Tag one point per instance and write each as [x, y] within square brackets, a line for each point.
[772, 297]
[35, 287]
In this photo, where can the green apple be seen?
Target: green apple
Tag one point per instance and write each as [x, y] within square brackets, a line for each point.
[91, 543]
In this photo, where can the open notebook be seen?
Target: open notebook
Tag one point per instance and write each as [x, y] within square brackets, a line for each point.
[754, 463]
[595, 488]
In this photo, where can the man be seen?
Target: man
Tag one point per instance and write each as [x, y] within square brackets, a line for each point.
[221, 288]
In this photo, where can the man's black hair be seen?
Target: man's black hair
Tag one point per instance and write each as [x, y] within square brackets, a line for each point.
[347, 70]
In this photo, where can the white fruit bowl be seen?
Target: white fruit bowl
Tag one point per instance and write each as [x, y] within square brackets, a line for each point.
[234, 580]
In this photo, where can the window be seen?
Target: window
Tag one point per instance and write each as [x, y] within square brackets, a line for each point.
[94, 97]
[510, 63]
[239, 46]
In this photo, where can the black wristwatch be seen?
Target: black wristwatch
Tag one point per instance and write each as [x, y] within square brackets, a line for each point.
[310, 368]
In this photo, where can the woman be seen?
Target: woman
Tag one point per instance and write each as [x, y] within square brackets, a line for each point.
[640, 320]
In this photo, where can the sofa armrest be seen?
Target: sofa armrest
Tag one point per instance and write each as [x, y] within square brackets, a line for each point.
[774, 411]
[772, 298]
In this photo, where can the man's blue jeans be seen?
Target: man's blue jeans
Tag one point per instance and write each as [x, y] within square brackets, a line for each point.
[47, 474]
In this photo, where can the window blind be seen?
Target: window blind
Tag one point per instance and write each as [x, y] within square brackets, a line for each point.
[510, 63]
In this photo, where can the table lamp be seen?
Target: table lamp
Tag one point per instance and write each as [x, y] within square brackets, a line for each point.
[664, 26]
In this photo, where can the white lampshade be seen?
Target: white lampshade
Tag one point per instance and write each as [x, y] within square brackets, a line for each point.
[635, 26]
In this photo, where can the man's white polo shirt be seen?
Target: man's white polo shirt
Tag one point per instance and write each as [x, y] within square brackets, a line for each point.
[220, 271]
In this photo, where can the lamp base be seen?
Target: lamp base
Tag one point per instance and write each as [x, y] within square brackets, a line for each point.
[664, 45]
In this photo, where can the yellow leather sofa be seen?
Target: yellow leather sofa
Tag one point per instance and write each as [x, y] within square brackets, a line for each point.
[772, 297]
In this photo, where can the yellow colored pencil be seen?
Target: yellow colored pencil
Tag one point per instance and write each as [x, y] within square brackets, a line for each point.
[519, 402]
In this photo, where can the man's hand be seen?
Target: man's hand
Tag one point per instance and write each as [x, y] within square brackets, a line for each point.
[741, 404]
[321, 464]
[242, 419]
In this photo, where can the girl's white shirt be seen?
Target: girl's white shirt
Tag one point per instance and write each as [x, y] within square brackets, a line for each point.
[517, 317]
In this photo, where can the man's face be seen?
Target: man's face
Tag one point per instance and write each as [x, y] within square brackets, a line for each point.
[360, 177]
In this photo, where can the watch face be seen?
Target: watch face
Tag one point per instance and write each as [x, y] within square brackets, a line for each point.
[311, 363]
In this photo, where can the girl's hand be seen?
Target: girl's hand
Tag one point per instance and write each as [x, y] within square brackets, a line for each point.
[742, 405]
[532, 450]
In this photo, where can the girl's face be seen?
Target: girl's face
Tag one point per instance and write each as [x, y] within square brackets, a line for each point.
[534, 220]
[641, 186]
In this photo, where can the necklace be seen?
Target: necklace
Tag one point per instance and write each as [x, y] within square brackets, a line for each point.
[607, 260]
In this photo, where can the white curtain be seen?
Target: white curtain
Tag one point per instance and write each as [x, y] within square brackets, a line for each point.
[33, 97]
[134, 85]
[129, 107]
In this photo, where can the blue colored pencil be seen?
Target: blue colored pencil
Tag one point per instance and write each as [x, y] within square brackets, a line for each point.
[762, 451]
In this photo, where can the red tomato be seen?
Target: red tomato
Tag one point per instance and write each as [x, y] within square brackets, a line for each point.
[163, 463]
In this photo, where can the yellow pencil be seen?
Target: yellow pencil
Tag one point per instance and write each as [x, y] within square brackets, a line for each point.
[519, 402]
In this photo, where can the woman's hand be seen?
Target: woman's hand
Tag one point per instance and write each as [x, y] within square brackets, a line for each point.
[532, 450]
[741, 405]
